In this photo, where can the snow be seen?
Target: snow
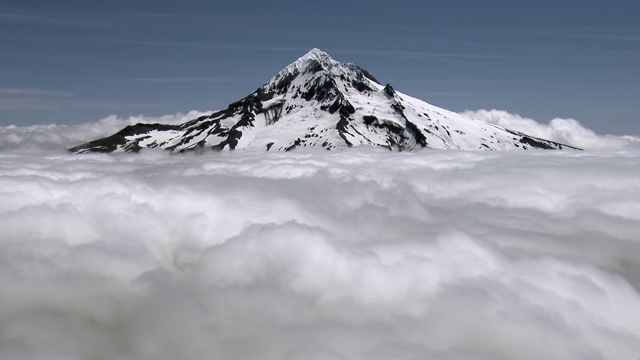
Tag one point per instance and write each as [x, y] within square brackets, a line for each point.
[156, 137]
[275, 101]
[298, 115]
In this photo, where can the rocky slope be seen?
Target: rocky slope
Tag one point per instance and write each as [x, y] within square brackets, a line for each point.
[319, 102]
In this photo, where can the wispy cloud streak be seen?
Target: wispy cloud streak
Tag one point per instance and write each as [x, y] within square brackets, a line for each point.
[183, 79]
[33, 92]
[37, 19]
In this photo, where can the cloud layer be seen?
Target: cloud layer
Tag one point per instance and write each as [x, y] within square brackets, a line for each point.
[315, 255]
[565, 131]
[54, 137]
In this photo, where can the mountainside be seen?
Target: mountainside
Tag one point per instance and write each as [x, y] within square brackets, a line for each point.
[319, 102]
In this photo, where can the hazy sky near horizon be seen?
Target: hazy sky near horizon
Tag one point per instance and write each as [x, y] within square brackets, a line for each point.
[70, 62]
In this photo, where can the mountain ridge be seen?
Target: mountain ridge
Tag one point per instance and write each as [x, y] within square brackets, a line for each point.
[317, 101]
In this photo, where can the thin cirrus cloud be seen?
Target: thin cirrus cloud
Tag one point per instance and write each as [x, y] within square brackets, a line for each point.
[33, 92]
[191, 44]
[29, 18]
[182, 79]
[49, 103]
[12, 99]
[363, 253]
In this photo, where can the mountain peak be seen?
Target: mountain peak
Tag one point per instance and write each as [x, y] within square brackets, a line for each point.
[313, 61]
[315, 54]
[317, 63]
[317, 101]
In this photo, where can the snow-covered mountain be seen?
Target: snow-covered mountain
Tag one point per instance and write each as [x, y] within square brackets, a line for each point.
[319, 102]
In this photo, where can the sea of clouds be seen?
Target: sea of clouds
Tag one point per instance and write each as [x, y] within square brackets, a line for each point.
[358, 254]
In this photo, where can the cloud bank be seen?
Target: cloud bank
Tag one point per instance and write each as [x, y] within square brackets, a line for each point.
[565, 131]
[315, 255]
[54, 137]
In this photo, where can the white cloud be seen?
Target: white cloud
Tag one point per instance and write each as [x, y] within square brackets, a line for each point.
[355, 254]
[566, 131]
[53, 137]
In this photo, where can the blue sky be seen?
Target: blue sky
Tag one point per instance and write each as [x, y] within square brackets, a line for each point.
[73, 61]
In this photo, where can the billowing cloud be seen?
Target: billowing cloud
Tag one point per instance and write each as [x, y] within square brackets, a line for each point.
[357, 254]
[54, 137]
[566, 131]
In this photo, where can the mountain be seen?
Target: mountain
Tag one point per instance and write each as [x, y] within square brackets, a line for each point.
[319, 102]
